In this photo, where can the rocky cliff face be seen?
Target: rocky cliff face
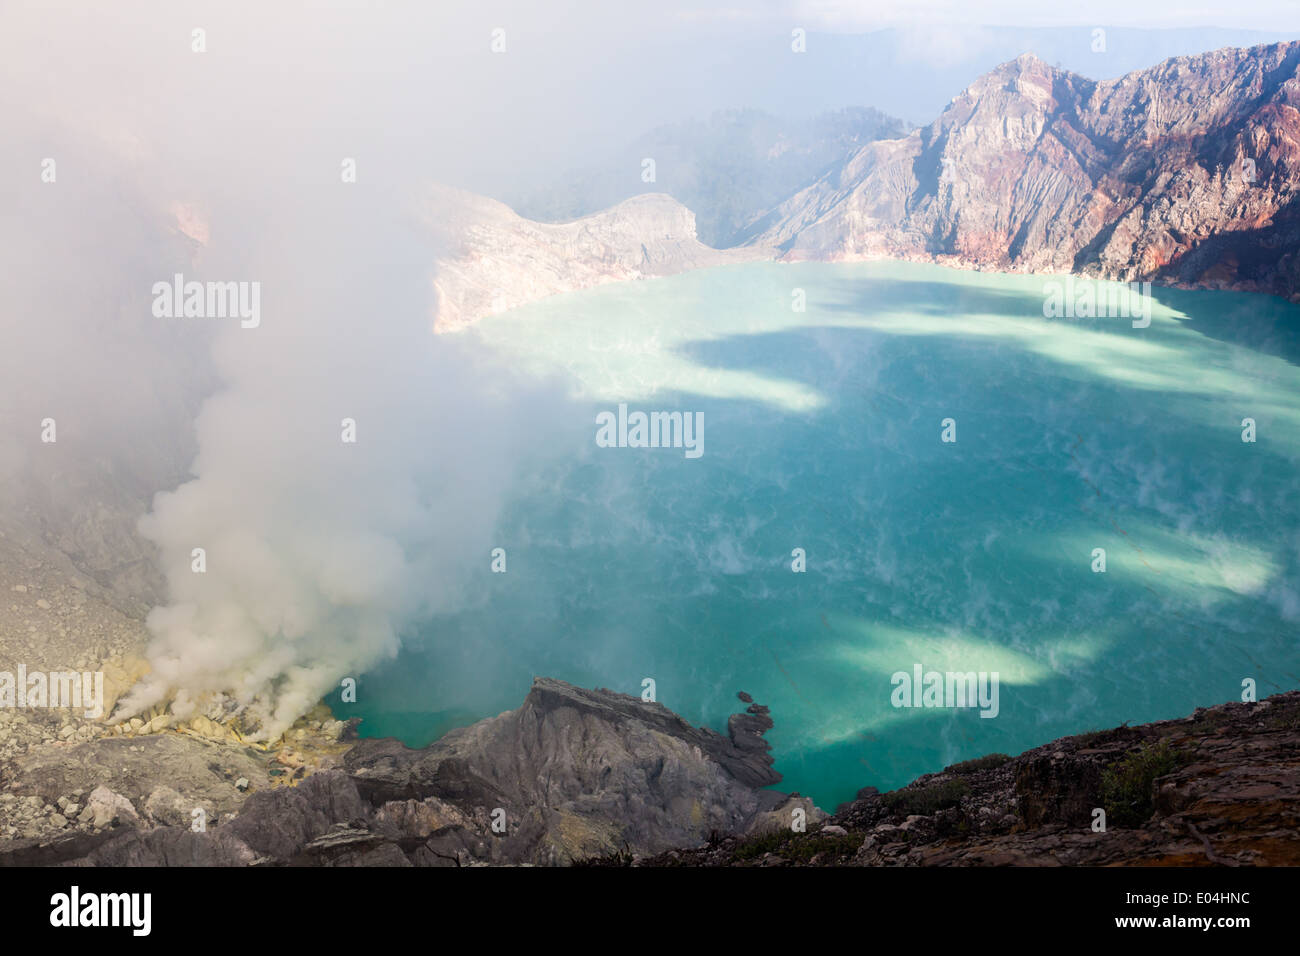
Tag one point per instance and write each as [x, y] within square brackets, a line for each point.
[571, 774]
[1186, 173]
[1218, 788]
[1183, 173]
[490, 259]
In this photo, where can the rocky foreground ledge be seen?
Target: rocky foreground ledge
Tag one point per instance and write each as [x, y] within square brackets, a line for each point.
[572, 774]
[592, 777]
[1218, 788]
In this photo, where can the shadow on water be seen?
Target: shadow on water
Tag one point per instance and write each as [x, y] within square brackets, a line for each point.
[1264, 324]
[973, 556]
[862, 297]
[1154, 612]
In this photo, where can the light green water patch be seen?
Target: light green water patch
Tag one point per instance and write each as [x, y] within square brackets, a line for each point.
[1207, 569]
[642, 354]
[822, 432]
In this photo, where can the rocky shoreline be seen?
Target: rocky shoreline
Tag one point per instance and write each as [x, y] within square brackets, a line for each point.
[597, 778]
[1220, 787]
[491, 260]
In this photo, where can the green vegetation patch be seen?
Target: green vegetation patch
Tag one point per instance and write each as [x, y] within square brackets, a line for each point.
[988, 762]
[1127, 784]
[927, 800]
[1093, 738]
[797, 847]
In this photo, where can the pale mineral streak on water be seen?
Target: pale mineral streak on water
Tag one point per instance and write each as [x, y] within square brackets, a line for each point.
[823, 433]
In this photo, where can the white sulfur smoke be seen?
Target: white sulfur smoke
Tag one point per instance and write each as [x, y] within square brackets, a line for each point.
[227, 166]
[319, 551]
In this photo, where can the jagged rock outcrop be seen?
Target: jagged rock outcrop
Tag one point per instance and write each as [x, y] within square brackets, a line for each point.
[1184, 173]
[1221, 787]
[570, 774]
[579, 772]
[490, 259]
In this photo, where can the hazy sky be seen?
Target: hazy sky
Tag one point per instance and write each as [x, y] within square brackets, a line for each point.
[577, 76]
[855, 15]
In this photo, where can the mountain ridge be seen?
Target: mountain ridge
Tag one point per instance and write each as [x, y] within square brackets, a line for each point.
[1183, 174]
[1034, 169]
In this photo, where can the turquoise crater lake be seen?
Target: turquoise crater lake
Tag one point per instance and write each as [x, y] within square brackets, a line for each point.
[821, 431]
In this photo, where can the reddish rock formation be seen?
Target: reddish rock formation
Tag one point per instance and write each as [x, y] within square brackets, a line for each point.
[1185, 173]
